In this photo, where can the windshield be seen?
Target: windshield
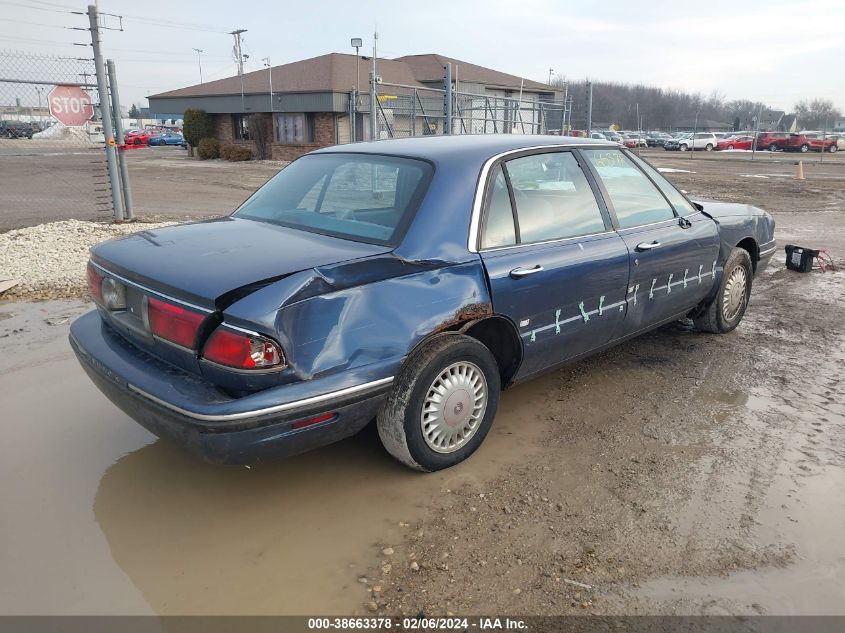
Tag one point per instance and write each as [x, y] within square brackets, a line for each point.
[363, 197]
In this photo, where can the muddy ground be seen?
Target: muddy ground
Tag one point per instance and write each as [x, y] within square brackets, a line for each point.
[678, 473]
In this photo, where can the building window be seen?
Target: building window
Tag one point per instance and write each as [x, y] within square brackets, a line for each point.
[294, 128]
[240, 127]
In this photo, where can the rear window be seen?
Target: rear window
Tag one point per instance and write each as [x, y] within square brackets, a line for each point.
[362, 197]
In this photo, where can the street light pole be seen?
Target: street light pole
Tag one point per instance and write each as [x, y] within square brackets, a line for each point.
[199, 60]
[266, 61]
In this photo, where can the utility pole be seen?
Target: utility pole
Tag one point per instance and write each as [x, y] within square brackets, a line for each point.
[105, 114]
[238, 53]
[589, 109]
[199, 60]
[551, 72]
[118, 128]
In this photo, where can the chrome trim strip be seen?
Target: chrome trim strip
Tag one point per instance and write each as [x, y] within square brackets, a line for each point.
[574, 238]
[281, 408]
[475, 219]
[767, 251]
[150, 290]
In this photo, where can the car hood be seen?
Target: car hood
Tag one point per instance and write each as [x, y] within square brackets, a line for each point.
[205, 261]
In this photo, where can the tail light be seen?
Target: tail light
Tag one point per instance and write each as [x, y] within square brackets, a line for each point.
[95, 284]
[242, 350]
[173, 323]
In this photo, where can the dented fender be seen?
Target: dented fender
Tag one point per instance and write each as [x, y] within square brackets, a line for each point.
[325, 328]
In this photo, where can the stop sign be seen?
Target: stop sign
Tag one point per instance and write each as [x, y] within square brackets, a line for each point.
[71, 105]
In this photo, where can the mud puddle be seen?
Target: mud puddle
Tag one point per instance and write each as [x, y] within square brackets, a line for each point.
[101, 517]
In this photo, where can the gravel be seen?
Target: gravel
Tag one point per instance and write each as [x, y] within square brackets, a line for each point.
[49, 259]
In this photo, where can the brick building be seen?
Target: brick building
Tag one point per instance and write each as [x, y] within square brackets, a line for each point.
[309, 106]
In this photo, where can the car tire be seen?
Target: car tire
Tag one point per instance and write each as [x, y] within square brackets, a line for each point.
[804, 148]
[833, 149]
[137, 141]
[773, 148]
[683, 148]
[411, 426]
[730, 146]
[726, 309]
[709, 147]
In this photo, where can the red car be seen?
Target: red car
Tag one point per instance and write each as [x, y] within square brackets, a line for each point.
[806, 141]
[735, 142]
[139, 137]
[772, 141]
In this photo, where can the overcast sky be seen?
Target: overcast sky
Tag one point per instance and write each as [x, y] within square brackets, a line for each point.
[778, 51]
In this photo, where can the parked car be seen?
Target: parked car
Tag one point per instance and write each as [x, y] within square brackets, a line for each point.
[736, 142]
[17, 129]
[139, 137]
[404, 292]
[657, 139]
[167, 138]
[702, 140]
[840, 141]
[810, 141]
[772, 141]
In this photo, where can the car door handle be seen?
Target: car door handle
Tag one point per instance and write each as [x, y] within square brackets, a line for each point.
[647, 246]
[519, 273]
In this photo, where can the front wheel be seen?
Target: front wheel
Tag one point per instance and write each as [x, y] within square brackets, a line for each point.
[773, 147]
[442, 403]
[726, 309]
[833, 149]
[709, 147]
[805, 148]
[730, 146]
[683, 148]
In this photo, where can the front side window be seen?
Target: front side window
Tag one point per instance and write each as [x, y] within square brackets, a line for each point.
[294, 128]
[681, 204]
[240, 127]
[553, 198]
[363, 197]
[635, 199]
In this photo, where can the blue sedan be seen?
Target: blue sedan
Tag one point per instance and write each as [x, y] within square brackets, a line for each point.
[168, 138]
[407, 281]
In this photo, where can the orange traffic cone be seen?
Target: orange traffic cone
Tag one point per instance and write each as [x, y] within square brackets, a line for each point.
[800, 174]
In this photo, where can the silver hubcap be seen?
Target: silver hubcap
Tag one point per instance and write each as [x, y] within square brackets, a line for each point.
[734, 296]
[454, 407]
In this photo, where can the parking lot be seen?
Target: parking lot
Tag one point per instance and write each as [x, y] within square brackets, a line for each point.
[677, 473]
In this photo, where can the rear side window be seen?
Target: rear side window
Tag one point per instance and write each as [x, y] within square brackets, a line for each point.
[553, 198]
[681, 204]
[635, 199]
[498, 224]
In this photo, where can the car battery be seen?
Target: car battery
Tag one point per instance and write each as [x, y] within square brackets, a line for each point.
[799, 258]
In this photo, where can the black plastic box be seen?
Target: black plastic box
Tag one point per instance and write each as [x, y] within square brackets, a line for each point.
[800, 259]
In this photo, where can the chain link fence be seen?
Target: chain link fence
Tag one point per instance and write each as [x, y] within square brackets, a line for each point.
[50, 171]
[403, 111]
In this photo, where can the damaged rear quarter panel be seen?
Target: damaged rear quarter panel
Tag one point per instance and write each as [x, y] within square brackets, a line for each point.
[376, 323]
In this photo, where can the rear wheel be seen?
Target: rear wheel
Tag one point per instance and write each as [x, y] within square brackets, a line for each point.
[442, 403]
[137, 141]
[709, 147]
[683, 148]
[726, 309]
[730, 146]
[805, 148]
[773, 147]
[833, 149]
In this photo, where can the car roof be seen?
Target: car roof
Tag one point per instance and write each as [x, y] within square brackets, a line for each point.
[468, 146]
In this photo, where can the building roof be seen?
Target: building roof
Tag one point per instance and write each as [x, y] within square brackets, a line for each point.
[429, 67]
[336, 72]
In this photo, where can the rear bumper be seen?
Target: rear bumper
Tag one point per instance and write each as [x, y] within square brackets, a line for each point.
[173, 404]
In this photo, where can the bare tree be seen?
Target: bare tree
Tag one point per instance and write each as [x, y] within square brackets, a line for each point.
[259, 132]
